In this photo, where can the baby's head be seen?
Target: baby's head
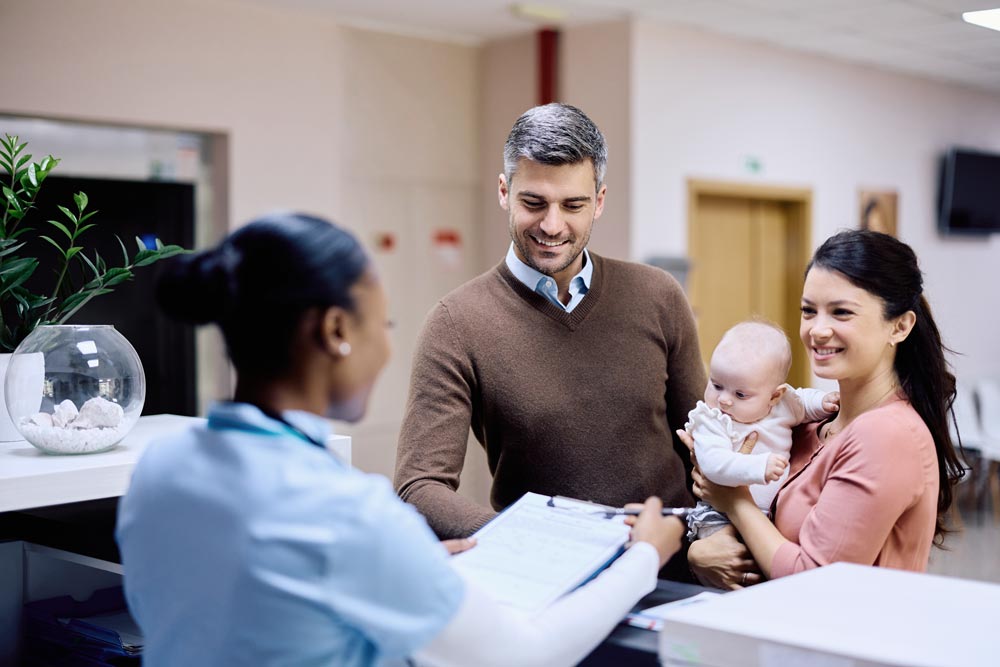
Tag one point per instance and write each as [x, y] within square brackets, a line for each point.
[748, 370]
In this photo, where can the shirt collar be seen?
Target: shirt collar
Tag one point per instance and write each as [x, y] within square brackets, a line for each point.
[531, 277]
[243, 416]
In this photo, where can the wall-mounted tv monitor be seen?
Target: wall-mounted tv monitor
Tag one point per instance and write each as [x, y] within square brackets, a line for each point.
[970, 192]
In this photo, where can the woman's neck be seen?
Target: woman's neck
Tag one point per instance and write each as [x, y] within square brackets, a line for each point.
[276, 396]
[860, 396]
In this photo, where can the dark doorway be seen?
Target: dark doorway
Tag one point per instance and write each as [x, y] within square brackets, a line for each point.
[128, 209]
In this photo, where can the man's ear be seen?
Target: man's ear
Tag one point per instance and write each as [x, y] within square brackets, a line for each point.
[503, 193]
[599, 202]
[778, 393]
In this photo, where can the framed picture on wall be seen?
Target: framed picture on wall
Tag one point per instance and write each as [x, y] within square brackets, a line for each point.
[878, 210]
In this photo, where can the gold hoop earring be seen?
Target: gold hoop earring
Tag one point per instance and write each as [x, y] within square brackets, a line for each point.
[344, 348]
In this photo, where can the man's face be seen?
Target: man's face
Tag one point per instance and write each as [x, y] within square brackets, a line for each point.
[551, 210]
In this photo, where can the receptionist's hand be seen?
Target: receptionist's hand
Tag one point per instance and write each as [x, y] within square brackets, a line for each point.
[664, 533]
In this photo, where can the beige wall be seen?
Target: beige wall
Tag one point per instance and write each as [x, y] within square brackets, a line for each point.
[270, 80]
[379, 132]
[595, 75]
[508, 72]
[594, 65]
[410, 160]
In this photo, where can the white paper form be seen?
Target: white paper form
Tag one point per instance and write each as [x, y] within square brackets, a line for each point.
[531, 553]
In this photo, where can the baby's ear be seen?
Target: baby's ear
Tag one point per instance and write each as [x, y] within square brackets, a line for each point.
[778, 393]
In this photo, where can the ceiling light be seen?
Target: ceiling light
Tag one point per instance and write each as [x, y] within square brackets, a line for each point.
[538, 13]
[987, 18]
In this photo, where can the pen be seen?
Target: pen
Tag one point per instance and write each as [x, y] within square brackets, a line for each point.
[667, 511]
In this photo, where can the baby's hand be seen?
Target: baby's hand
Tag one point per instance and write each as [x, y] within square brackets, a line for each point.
[775, 467]
[831, 402]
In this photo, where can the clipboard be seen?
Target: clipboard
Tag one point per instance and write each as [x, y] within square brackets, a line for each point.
[541, 548]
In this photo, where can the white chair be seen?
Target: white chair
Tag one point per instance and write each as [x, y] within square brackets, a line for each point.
[968, 429]
[988, 394]
[967, 418]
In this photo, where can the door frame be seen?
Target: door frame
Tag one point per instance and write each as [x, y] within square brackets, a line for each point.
[798, 201]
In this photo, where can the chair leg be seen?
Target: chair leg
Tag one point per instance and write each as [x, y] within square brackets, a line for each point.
[955, 516]
[994, 481]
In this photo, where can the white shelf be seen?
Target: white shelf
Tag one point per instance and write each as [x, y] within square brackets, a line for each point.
[31, 478]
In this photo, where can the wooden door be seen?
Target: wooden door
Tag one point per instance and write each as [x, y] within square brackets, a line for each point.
[748, 254]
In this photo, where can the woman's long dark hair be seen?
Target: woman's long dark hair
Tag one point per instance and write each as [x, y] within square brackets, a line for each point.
[259, 281]
[887, 268]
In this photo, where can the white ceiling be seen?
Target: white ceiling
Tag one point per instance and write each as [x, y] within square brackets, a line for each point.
[923, 37]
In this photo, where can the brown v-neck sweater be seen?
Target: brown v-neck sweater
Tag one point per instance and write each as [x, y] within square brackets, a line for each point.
[580, 404]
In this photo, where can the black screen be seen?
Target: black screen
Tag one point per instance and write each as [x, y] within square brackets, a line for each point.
[128, 209]
[970, 193]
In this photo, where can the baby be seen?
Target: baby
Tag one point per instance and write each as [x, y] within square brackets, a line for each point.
[747, 393]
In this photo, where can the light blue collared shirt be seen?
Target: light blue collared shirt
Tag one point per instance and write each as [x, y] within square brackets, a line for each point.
[546, 285]
[244, 544]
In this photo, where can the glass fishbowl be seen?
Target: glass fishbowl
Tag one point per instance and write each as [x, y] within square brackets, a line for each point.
[74, 389]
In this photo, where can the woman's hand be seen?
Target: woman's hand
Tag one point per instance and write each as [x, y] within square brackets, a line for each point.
[722, 498]
[722, 561]
[664, 533]
[458, 546]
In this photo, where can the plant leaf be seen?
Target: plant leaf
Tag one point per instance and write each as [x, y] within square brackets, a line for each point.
[81, 200]
[58, 247]
[62, 228]
[68, 213]
[15, 265]
[124, 251]
[12, 198]
[20, 163]
[72, 252]
[13, 278]
[116, 276]
[157, 255]
[87, 261]
[13, 248]
[144, 257]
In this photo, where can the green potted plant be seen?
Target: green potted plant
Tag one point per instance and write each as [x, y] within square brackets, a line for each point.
[80, 274]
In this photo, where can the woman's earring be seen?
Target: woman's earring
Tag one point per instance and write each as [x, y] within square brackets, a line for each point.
[344, 348]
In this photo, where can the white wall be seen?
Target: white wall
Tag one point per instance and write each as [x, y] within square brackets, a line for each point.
[702, 103]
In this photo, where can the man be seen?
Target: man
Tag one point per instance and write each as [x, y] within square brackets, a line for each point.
[573, 370]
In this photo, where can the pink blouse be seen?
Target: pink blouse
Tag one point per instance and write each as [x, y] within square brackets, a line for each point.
[868, 495]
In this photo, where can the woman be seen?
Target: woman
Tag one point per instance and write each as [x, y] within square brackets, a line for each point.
[245, 542]
[872, 484]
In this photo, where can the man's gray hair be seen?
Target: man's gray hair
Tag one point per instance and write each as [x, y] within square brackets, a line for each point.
[555, 134]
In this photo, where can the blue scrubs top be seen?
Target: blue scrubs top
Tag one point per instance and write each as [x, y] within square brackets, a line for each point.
[243, 543]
